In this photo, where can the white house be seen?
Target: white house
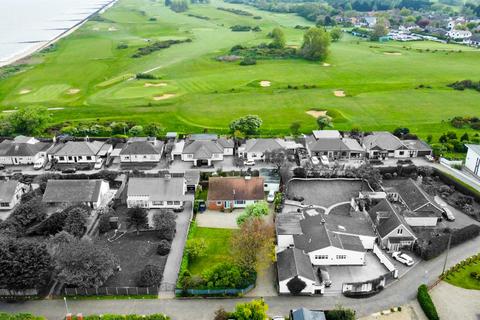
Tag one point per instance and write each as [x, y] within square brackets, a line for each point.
[92, 193]
[383, 144]
[10, 193]
[81, 151]
[157, 193]
[459, 34]
[331, 144]
[294, 263]
[254, 149]
[22, 150]
[472, 161]
[141, 150]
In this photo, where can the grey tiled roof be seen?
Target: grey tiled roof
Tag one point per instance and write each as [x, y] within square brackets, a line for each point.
[383, 140]
[72, 191]
[158, 189]
[293, 262]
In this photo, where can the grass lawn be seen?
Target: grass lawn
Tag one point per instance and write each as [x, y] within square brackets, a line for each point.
[218, 247]
[462, 277]
[91, 78]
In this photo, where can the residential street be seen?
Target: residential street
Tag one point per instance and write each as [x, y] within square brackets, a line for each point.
[397, 294]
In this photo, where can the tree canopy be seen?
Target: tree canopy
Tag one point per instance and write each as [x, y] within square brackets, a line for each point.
[253, 310]
[137, 218]
[247, 125]
[315, 44]
[278, 38]
[323, 122]
[28, 121]
[255, 210]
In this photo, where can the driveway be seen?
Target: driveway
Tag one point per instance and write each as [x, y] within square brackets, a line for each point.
[174, 259]
[217, 219]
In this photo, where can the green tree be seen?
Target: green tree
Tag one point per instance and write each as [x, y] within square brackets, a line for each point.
[76, 222]
[296, 285]
[255, 210]
[29, 120]
[23, 264]
[295, 128]
[465, 137]
[379, 30]
[336, 34]
[152, 129]
[315, 44]
[278, 38]
[150, 276]
[137, 218]
[135, 131]
[323, 122]
[84, 264]
[165, 223]
[253, 310]
[195, 248]
[247, 125]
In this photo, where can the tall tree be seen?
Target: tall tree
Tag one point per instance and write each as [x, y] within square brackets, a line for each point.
[323, 122]
[296, 285]
[253, 310]
[23, 264]
[84, 264]
[76, 221]
[379, 30]
[137, 218]
[336, 34]
[278, 38]
[278, 157]
[315, 44]
[253, 245]
[29, 120]
[295, 128]
[247, 125]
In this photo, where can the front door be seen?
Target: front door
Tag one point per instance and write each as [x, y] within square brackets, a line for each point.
[227, 204]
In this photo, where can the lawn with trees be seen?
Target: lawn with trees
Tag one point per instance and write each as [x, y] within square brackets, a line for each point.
[89, 78]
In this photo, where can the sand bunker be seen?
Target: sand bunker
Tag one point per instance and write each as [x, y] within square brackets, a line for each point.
[316, 113]
[161, 84]
[112, 29]
[73, 91]
[265, 83]
[9, 111]
[164, 96]
[392, 53]
[339, 93]
[326, 64]
[53, 109]
[25, 91]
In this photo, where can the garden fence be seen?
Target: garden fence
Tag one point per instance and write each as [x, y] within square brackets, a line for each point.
[18, 293]
[111, 291]
[209, 292]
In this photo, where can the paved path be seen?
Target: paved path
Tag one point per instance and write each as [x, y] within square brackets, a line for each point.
[398, 293]
[456, 303]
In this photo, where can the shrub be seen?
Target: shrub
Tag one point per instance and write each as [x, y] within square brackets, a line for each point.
[104, 223]
[296, 285]
[340, 313]
[163, 247]
[150, 276]
[248, 61]
[76, 221]
[227, 275]
[51, 225]
[165, 223]
[195, 248]
[426, 303]
[19, 316]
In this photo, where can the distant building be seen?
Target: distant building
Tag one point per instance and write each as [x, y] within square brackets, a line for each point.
[234, 192]
[23, 150]
[472, 161]
[10, 194]
[459, 34]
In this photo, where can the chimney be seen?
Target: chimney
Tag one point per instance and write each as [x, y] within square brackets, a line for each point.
[248, 177]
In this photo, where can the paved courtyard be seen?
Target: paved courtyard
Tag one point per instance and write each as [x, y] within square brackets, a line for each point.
[217, 219]
[456, 303]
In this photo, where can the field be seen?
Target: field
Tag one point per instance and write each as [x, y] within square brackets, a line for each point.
[218, 244]
[88, 76]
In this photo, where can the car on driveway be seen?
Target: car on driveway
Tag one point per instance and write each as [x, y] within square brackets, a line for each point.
[271, 196]
[249, 162]
[403, 258]
[315, 161]
[69, 170]
[98, 164]
[324, 160]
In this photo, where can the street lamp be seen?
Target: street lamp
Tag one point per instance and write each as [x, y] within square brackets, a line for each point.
[66, 305]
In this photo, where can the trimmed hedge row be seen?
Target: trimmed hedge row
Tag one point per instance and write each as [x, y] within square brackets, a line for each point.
[19, 316]
[426, 303]
[155, 316]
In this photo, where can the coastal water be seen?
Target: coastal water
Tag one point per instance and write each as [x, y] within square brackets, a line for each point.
[28, 24]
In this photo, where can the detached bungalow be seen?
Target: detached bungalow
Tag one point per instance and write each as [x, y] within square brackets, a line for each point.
[393, 232]
[383, 145]
[10, 193]
[141, 150]
[157, 193]
[92, 193]
[81, 151]
[294, 263]
[204, 149]
[234, 192]
[330, 143]
[22, 150]
[255, 149]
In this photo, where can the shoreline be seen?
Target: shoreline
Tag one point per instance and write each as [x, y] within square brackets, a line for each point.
[27, 53]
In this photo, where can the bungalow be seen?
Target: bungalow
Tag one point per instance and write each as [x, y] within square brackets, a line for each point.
[326, 247]
[81, 151]
[294, 263]
[92, 193]
[10, 193]
[234, 192]
[459, 34]
[306, 314]
[393, 232]
[330, 143]
[421, 210]
[204, 149]
[22, 151]
[383, 144]
[141, 150]
[157, 193]
[255, 149]
[472, 161]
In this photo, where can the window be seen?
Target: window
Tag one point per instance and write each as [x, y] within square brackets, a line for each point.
[4, 204]
[321, 257]
[169, 203]
[189, 156]
[401, 153]
[239, 201]
[89, 157]
[61, 158]
[176, 203]
[157, 203]
[341, 257]
[144, 157]
[70, 158]
[219, 203]
[400, 231]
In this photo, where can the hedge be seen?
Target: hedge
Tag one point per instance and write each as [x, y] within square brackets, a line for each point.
[458, 184]
[155, 316]
[19, 316]
[426, 303]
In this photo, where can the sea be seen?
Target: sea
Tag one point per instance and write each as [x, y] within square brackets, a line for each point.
[26, 25]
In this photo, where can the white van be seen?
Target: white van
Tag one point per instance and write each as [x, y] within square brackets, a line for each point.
[39, 163]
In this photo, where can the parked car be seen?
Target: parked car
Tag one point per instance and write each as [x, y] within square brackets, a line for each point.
[325, 277]
[324, 160]
[448, 214]
[278, 318]
[39, 163]
[249, 162]
[69, 170]
[403, 258]
[49, 165]
[98, 164]
[430, 158]
[271, 196]
[315, 161]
